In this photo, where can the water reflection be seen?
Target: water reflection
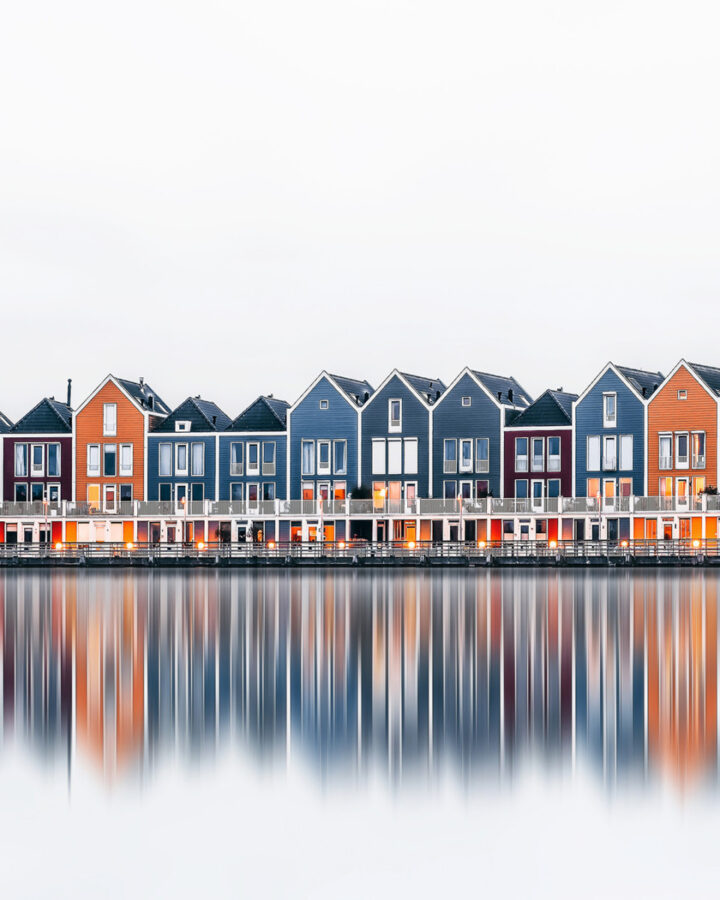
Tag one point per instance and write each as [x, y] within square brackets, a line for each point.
[407, 672]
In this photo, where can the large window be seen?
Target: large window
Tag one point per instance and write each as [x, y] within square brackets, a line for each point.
[268, 458]
[53, 460]
[378, 456]
[609, 453]
[521, 489]
[411, 456]
[109, 419]
[21, 460]
[482, 455]
[340, 461]
[236, 461]
[394, 415]
[553, 488]
[268, 490]
[323, 458]
[698, 450]
[450, 456]
[37, 460]
[110, 460]
[450, 490]
[308, 457]
[682, 443]
[197, 459]
[181, 459]
[126, 459]
[593, 452]
[253, 458]
[593, 487]
[626, 452]
[165, 459]
[466, 455]
[93, 461]
[666, 451]
[538, 454]
[609, 410]
[394, 447]
[521, 454]
[553, 454]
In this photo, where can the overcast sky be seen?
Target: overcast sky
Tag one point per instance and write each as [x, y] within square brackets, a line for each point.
[228, 197]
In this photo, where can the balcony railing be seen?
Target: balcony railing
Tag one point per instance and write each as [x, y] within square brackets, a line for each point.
[666, 462]
[553, 464]
[521, 463]
[698, 461]
[482, 466]
[609, 463]
[538, 464]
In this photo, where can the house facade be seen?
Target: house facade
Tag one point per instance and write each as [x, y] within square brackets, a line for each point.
[182, 453]
[468, 421]
[253, 453]
[683, 433]
[111, 429]
[5, 426]
[538, 450]
[609, 434]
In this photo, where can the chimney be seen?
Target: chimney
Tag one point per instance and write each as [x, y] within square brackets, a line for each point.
[69, 391]
[141, 382]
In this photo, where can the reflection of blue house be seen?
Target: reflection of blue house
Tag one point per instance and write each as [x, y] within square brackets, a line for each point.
[323, 436]
[609, 428]
[253, 453]
[468, 422]
[182, 452]
[396, 436]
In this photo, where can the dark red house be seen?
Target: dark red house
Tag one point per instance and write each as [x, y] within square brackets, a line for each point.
[38, 454]
[538, 449]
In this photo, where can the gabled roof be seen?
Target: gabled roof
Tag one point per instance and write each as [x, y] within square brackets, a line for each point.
[263, 414]
[553, 408]
[355, 390]
[430, 388]
[501, 387]
[49, 416]
[5, 423]
[709, 374]
[203, 415]
[141, 392]
[645, 383]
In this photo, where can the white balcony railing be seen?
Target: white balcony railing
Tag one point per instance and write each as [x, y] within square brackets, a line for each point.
[698, 461]
[666, 462]
[553, 464]
[609, 463]
[521, 463]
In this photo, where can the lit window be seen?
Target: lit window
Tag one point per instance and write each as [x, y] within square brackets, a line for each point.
[110, 419]
[593, 487]
[698, 450]
[394, 415]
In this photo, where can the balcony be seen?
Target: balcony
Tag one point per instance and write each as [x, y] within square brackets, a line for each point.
[698, 462]
[609, 463]
[666, 462]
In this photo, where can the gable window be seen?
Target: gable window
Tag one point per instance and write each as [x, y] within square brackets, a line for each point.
[482, 455]
[236, 460]
[268, 458]
[411, 456]
[182, 426]
[197, 458]
[666, 451]
[682, 395]
[553, 454]
[53, 460]
[109, 419]
[450, 456]
[378, 456]
[626, 452]
[394, 415]
[93, 460]
[308, 457]
[110, 460]
[126, 459]
[165, 459]
[324, 404]
[466, 455]
[323, 458]
[521, 454]
[21, 460]
[253, 458]
[37, 460]
[609, 410]
[340, 460]
[467, 401]
[394, 447]
[593, 452]
[681, 450]
[538, 454]
[181, 459]
[609, 453]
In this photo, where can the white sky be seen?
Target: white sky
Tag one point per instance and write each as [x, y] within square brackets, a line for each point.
[227, 197]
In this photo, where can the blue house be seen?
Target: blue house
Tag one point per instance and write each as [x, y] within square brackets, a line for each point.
[323, 437]
[396, 423]
[253, 453]
[467, 434]
[609, 433]
[182, 452]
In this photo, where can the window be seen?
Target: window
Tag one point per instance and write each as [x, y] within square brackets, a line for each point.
[268, 458]
[698, 449]
[125, 493]
[482, 488]
[466, 455]
[93, 461]
[626, 452]
[182, 426]
[625, 487]
[166, 492]
[21, 492]
[110, 460]
[236, 459]
[268, 490]
[308, 490]
[682, 395]
[236, 491]
[53, 460]
[197, 458]
[538, 454]
[36, 492]
[681, 450]
[521, 489]
[93, 496]
[126, 459]
[521, 454]
[109, 419]
[53, 493]
[609, 453]
[181, 459]
[253, 493]
[411, 456]
[340, 457]
[666, 451]
[609, 410]
[450, 456]
[593, 452]
[482, 455]
[466, 490]
[450, 490]
[37, 460]
[394, 456]
[339, 490]
[378, 456]
[323, 458]
[394, 415]
[21, 460]
[593, 487]
[253, 458]
[164, 459]
[665, 487]
[537, 491]
[466, 401]
[324, 404]
[197, 491]
[553, 488]
[308, 457]
[553, 454]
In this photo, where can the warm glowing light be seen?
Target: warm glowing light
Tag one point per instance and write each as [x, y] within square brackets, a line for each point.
[696, 544]
[382, 493]
[182, 500]
[623, 543]
[201, 545]
[271, 545]
[411, 545]
[58, 546]
[341, 545]
[553, 545]
[129, 545]
[481, 545]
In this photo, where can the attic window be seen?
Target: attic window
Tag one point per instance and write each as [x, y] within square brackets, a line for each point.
[182, 426]
[682, 395]
[466, 401]
[324, 404]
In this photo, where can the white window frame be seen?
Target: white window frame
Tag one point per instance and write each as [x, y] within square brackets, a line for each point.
[609, 463]
[268, 468]
[109, 430]
[21, 484]
[554, 460]
[450, 465]
[182, 425]
[53, 486]
[238, 484]
[592, 438]
[237, 468]
[482, 466]
[541, 441]
[467, 401]
[169, 450]
[251, 469]
[23, 474]
[678, 463]
[607, 421]
[410, 459]
[94, 471]
[518, 466]
[324, 468]
[537, 502]
[465, 467]
[394, 426]
[37, 471]
[682, 394]
[621, 455]
[125, 470]
[524, 481]
[693, 457]
[340, 470]
[58, 473]
[201, 473]
[306, 442]
[394, 456]
[182, 470]
[105, 449]
[378, 466]
[324, 404]
[667, 436]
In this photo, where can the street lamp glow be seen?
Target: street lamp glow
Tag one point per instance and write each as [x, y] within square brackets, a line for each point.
[341, 545]
[411, 545]
[481, 545]
[553, 545]
[59, 545]
[623, 543]
[271, 545]
[201, 545]
[696, 543]
[129, 545]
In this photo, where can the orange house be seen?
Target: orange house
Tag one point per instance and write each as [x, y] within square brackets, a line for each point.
[111, 428]
[683, 433]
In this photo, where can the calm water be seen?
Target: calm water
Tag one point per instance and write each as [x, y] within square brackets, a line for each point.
[406, 675]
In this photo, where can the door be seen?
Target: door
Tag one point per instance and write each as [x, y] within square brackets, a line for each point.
[181, 497]
[537, 495]
[682, 492]
[110, 498]
[594, 531]
[609, 494]
[381, 531]
[612, 529]
[579, 529]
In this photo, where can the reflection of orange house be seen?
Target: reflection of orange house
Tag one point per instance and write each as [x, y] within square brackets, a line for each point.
[683, 431]
[111, 427]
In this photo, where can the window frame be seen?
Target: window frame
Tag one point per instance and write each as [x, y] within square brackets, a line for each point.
[533, 441]
[592, 438]
[395, 456]
[106, 430]
[610, 422]
[58, 459]
[450, 465]
[470, 466]
[237, 469]
[268, 468]
[678, 464]
[479, 461]
[93, 472]
[201, 473]
[310, 445]
[518, 456]
[324, 468]
[378, 466]
[26, 464]
[123, 471]
[411, 467]
[38, 472]
[394, 427]
[339, 470]
[182, 470]
[250, 468]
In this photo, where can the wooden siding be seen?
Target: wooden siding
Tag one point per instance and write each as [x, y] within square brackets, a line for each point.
[89, 430]
[189, 438]
[66, 464]
[668, 414]
[565, 473]
[245, 437]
